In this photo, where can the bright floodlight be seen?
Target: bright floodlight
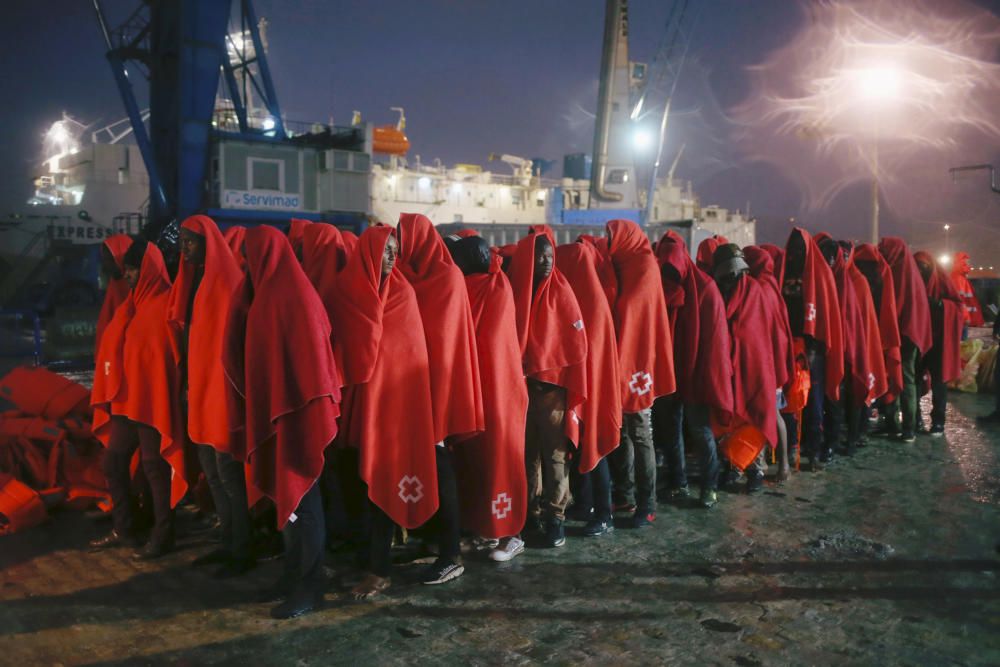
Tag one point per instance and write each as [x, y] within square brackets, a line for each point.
[424, 182]
[878, 83]
[944, 260]
[58, 133]
[947, 227]
[642, 139]
[268, 123]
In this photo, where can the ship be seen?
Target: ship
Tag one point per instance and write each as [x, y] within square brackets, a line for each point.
[92, 183]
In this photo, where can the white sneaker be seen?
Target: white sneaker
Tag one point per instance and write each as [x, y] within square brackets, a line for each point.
[508, 549]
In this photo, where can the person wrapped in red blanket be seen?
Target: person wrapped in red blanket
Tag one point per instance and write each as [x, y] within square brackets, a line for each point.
[864, 366]
[704, 375]
[751, 333]
[762, 262]
[284, 396]
[914, 317]
[112, 255]
[197, 309]
[810, 294]
[136, 402]
[553, 344]
[601, 413]
[456, 387]
[960, 278]
[489, 467]
[646, 353]
[387, 418]
[943, 362]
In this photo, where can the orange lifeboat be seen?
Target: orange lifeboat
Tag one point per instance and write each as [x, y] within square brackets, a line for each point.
[389, 140]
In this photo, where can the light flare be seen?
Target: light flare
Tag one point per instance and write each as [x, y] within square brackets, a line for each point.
[912, 86]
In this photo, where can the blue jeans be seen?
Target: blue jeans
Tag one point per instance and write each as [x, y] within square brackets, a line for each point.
[593, 491]
[675, 417]
[634, 463]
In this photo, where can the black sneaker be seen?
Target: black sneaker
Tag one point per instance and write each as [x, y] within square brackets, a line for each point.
[643, 519]
[298, 604]
[708, 498]
[755, 482]
[441, 572]
[937, 430]
[907, 436]
[554, 534]
[598, 528]
[680, 493]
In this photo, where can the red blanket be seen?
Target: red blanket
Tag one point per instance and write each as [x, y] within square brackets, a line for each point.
[137, 374]
[379, 337]
[323, 255]
[208, 417]
[296, 232]
[601, 413]
[959, 277]
[456, 388]
[490, 466]
[550, 329]
[754, 383]
[862, 343]
[281, 369]
[706, 249]
[645, 345]
[762, 270]
[700, 333]
[117, 290]
[821, 309]
[913, 309]
[234, 239]
[947, 317]
[888, 321]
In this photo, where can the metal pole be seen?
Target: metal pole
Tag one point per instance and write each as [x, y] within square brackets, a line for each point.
[648, 216]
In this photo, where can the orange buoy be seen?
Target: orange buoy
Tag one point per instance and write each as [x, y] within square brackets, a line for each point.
[742, 445]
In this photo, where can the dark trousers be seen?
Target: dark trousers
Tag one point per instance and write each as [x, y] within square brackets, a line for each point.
[836, 415]
[227, 483]
[125, 437]
[634, 463]
[679, 420]
[931, 363]
[812, 417]
[593, 490]
[447, 517]
[905, 405]
[380, 532]
[305, 538]
[996, 384]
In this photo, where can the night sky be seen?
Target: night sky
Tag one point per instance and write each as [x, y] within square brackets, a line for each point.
[477, 77]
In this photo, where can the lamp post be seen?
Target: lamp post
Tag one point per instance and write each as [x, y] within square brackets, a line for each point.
[877, 85]
[947, 245]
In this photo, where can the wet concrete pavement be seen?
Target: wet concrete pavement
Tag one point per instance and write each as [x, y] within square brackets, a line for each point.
[886, 558]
